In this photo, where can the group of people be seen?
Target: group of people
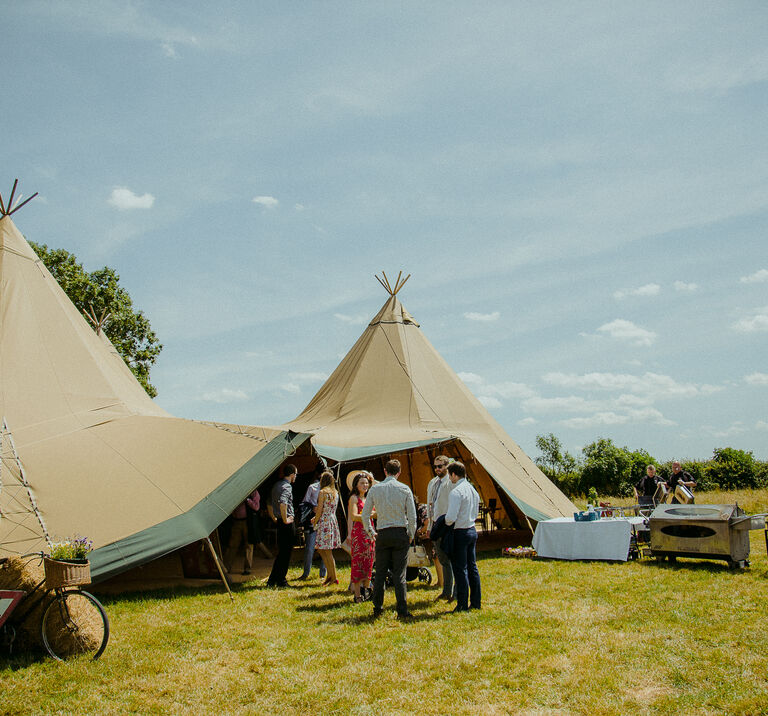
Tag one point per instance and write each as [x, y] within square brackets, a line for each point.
[646, 487]
[383, 522]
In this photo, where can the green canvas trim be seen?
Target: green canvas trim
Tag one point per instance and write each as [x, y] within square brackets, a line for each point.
[198, 522]
[358, 453]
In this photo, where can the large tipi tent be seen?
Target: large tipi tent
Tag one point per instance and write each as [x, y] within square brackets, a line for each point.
[394, 395]
[86, 451]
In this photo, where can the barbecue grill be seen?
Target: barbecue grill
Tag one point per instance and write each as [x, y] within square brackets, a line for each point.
[703, 531]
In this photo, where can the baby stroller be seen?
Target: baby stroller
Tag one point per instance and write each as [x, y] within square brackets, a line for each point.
[418, 566]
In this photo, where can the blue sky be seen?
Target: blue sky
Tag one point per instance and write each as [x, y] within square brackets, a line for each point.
[579, 190]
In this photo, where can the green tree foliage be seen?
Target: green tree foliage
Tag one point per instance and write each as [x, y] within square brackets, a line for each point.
[99, 296]
[557, 464]
[612, 470]
[732, 469]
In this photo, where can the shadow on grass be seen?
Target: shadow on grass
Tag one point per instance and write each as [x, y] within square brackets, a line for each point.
[22, 659]
[692, 565]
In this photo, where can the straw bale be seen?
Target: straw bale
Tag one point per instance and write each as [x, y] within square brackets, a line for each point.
[26, 574]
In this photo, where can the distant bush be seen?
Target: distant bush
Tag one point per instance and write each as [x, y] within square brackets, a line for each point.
[614, 471]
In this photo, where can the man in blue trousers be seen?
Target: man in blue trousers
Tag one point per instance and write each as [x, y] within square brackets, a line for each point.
[463, 506]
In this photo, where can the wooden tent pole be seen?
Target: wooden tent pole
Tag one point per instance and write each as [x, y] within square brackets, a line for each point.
[26, 201]
[13, 191]
[384, 286]
[2, 206]
[219, 567]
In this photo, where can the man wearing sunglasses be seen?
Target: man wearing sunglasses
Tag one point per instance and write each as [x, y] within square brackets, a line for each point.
[438, 492]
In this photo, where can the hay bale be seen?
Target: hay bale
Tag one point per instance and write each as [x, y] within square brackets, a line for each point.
[25, 574]
[80, 631]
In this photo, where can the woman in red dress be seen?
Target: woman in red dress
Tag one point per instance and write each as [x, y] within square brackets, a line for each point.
[363, 546]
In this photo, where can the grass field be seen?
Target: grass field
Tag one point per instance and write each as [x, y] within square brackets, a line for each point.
[553, 637]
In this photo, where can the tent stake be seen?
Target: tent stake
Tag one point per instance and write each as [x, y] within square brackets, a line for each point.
[218, 565]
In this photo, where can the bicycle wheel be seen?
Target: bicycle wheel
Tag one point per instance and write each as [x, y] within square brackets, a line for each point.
[74, 623]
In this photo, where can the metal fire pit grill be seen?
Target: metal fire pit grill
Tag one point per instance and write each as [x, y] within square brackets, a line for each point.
[703, 531]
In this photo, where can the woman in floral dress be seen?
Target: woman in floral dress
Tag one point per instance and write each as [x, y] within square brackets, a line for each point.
[326, 525]
[363, 546]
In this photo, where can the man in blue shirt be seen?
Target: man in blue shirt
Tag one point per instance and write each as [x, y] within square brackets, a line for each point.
[280, 509]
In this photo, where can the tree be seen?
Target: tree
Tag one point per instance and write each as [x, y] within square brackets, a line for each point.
[734, 469]
[558, 465]
[108, 307]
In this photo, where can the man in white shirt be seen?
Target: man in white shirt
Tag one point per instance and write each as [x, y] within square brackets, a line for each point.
[438, 492]
[396, 525]
[463, 506]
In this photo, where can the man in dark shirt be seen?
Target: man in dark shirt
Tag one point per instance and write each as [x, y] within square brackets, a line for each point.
[645, 489]
[680, 477]
[280, 509]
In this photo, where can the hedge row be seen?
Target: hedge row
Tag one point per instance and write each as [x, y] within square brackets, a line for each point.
[613, 470]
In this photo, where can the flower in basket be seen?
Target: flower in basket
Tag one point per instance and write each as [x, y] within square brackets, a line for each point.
[72, 548]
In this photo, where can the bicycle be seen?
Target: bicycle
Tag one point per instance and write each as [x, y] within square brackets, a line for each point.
[72, 622]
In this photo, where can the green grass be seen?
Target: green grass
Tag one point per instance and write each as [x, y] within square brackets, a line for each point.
[553, 637]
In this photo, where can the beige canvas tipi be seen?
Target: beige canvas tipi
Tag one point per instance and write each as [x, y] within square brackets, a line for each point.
[86, 451]
[394, 395]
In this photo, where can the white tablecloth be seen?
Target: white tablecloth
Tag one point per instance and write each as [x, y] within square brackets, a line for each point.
[563, 538]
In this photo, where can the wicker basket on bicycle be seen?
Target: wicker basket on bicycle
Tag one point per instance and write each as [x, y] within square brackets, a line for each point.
[60, 573]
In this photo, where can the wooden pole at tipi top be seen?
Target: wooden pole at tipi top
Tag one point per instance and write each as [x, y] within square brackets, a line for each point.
[9, 208]
[388, 286]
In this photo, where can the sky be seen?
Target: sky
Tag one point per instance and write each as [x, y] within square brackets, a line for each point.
[579, 192]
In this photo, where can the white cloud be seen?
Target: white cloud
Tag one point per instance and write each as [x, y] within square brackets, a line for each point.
[686, 287]
[123, 199]
[754, 323]
[756, 378]
[299, 207]
[652, 385]
[627, 331]
[291, 388]
[527, 421]
[645, 415]
[489, 402]
[268, 202]
[169, 50]
[506, 390]
[482, 317]
[471, 378]
[570, 403]
[649, 289]
[224, 395]
[359, 320]
[761, 425]
[736, 428]
[303, 378]
[758, 277]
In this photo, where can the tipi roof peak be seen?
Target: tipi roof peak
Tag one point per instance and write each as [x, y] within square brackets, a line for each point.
[6, 209]
[398, 284]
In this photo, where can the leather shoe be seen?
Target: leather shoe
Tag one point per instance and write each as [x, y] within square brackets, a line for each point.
[405, 617]
[377, 612]
[456, 610]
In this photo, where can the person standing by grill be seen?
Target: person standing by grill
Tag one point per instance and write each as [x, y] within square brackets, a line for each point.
[280, 510]
[395, 528]
[463, 508]
[680, 477]
[645, 489]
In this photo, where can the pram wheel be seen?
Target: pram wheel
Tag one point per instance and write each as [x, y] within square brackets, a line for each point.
[425, 575]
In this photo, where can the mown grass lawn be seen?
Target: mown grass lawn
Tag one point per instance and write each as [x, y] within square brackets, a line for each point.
[553, 637]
